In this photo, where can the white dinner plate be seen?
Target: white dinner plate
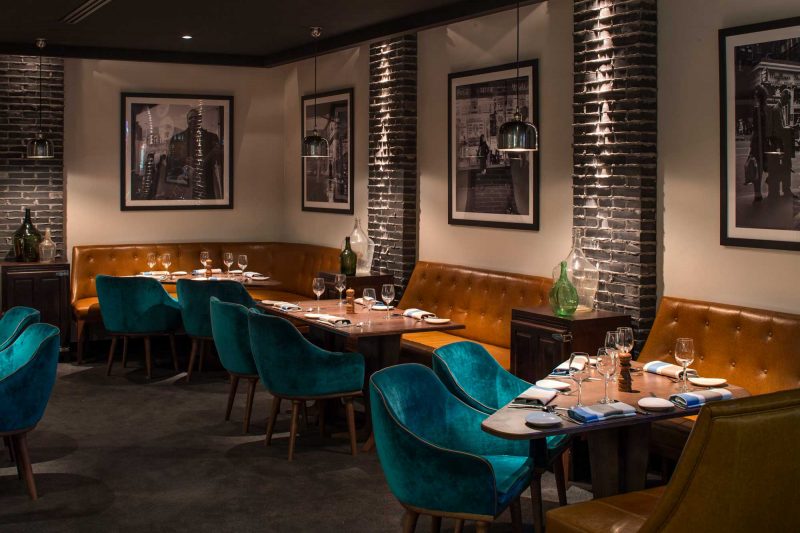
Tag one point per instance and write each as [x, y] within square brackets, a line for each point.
[382, 307]
[707, 382]
[312, 315]
[260, 278]
[655, 404]
[434, 320]
[552, 384]
[542, 419]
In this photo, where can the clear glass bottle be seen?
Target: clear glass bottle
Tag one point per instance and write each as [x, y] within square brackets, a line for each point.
[581, 273]
[363, 247]
[47, 248]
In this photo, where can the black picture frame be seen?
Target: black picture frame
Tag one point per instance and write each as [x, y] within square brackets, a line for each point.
[745, 222]
[220, 156]
[335, 99]
[502, 73]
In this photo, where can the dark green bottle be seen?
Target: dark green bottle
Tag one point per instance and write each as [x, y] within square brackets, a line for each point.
[26, 240]
[563, 295]
[347, 259]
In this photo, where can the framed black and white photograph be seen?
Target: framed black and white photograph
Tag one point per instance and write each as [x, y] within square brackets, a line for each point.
[487, 187]
[327, 182]
[176, 151]
[760, 135]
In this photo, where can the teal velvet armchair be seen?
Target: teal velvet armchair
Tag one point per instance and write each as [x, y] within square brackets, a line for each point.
[14, 322]
[292, 368]
[27, 374]
[137, 307]
[476, 378]
[435, 456]
[232, 339]
[195, 299]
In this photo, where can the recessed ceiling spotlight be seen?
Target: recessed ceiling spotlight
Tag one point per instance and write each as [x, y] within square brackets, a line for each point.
[187, 36]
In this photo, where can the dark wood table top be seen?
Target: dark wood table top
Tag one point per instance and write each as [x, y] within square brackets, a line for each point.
[378, 324]
[172, 280]
[509, 422]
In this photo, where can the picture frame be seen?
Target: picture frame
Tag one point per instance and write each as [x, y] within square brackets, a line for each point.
[327, 184]
[759, 84]
[176, 151]
[486, 187]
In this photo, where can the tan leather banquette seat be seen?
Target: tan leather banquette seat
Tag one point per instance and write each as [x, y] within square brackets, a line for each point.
[753, 348]
[293, 265]
[480, 299]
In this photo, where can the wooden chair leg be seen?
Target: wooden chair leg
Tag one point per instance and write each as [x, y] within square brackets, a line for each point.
[536, 502]
[410, 521]
[321, 405]
[351, 425]
[458, 527]
[436, 524]
[80, 328]
[124, 352]
[111, 355]
[273, 415]
[174, 352]
[148, 358]
[561, 479]
[231, 395]
[248, 409]
[25, 463]
[202, 355]
[293, 427]
[192, 358]
[516, 516]
[481, 527]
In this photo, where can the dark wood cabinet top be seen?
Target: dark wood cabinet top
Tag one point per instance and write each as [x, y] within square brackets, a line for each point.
[59, 263]
[545, 314]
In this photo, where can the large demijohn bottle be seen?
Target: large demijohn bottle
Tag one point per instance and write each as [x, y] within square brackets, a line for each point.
[363, 247]
[583, 275]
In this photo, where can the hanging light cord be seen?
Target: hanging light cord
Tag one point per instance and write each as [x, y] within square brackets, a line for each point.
[40, 90]
[517, 56]
[316, 51]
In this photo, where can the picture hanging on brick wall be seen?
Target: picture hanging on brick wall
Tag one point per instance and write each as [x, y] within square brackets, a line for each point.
[760, 135]
[327, 182]
[176, 152]
[487, 187]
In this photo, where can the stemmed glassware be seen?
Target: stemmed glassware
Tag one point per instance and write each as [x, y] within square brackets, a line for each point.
[607, 366]
[166, 260]
[204, 259]
[387, 295]
[151, 261]
[578, 374]
[624, 340]
[318, 286]
[227, 260]
[684, 354]
[612, 339]
[242, 262]
[369, 299]
[340, 282]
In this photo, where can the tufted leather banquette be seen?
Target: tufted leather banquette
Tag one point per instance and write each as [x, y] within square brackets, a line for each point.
[480, 299]
[293, 265]
[753, 348]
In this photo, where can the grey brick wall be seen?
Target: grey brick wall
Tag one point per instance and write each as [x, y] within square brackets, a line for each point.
[614, 156]
[25, 182]
[392, 184]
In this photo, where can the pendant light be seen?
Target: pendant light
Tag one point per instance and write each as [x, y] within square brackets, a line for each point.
[315, 145]
[518, 135]
[39, 147]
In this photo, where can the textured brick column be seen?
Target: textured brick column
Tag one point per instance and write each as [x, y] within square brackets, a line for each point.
[392, 185]
[614, 157]
[38, 184]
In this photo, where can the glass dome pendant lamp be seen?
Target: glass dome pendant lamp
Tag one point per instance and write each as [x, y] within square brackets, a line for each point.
[39, 147]
[315, 145]
[517, 135]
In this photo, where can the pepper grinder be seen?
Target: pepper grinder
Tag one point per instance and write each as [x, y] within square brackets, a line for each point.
[350, 301]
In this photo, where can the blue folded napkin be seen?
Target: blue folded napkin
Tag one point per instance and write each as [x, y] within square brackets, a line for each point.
[700, 397]
[602, 411]
[668, 369]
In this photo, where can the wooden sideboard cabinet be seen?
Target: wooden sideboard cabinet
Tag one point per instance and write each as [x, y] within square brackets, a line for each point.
[540, 340]
[42, 286]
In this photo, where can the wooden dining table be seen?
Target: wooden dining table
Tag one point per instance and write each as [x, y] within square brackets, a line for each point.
[247, 282]
[619, 447]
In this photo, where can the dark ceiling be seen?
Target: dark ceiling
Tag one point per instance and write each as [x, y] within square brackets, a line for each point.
[238, 32]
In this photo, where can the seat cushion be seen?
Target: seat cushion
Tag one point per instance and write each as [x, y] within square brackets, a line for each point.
[87, 309]
[669, 436]
[511, 474]
[621, 513]
[428, 341]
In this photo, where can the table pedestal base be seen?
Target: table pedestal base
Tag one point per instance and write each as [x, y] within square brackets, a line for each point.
[618, 459]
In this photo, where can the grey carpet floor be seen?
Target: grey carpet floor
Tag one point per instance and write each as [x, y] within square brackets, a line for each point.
[122, 454]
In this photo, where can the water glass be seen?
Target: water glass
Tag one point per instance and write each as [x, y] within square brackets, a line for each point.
[578, 373]
[340, 282]
[607, 366]
[227, 260]
[625, 340]
[387, 295]
[204, 259]
[369, 299]
[151, 261]
[242, 262]
[684, 354]
[166, 260]
[318, 287]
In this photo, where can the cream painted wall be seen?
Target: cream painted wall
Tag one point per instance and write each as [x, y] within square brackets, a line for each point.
[92, 122]
[488, 41]
[694, 263]
[339, 70]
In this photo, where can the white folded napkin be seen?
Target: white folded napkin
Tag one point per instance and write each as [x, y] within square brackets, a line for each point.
[418, 314]
[237, 271]
[563, 369]
[537, 395]
[203, 271]
[251, 274]
[668, 369]
[283, 306]
[179, 273]
[155, 273]
[333, 320]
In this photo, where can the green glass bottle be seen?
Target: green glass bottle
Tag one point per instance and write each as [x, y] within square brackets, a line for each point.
[26, 240]
[563, 295]
[348, 259]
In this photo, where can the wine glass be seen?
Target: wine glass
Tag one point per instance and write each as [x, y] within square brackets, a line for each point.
[612, 339]
[318, 287]
[204, 258]
[578, 373]
[227, 260]
[151, 261]
[340, 282]
[625, 340]
[607, 366]
[166, 260]
[684, 354]
[242, 262]
[387, 295]
[369, 299]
